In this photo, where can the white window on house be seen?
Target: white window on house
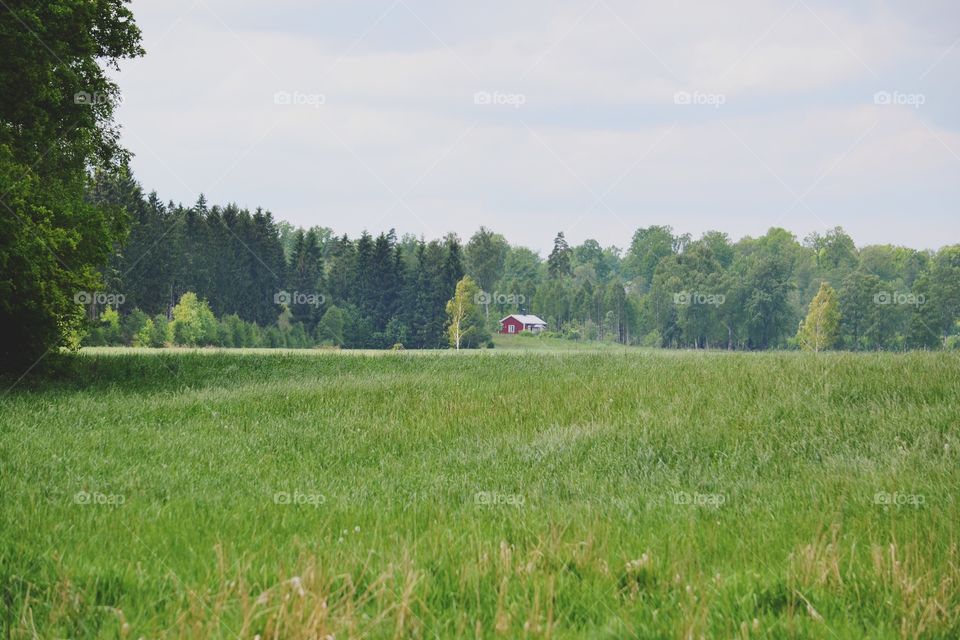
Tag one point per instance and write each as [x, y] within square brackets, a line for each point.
[511, 329]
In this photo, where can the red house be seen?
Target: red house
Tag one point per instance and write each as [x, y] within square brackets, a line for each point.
[515, 323]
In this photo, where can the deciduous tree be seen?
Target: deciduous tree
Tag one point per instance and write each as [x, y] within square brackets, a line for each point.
[821, 328]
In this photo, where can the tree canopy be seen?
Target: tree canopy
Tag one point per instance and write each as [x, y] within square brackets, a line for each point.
[666, 290]
[56, 131]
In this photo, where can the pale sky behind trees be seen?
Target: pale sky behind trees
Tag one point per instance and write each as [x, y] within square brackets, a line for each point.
[535, 117]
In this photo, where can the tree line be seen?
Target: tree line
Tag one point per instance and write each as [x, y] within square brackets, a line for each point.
[303, 287]
[76, 227]
[295, 287]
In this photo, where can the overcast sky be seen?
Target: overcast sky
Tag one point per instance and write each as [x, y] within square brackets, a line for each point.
[529, 117]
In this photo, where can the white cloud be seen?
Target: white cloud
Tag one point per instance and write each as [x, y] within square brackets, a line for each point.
[598, 91]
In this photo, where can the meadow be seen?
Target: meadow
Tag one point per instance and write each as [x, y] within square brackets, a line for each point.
[507, 493]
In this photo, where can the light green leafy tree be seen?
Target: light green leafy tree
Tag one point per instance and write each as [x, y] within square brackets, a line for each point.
[465, 322]
[142, 337]
[821, 328]
[193, 321]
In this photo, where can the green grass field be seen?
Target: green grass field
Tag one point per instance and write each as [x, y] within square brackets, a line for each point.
[541, 343]
[531, 494]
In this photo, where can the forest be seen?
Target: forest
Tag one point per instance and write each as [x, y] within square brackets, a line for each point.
[220, 275]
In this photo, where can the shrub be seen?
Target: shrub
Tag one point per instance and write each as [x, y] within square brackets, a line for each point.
[110, 326]
[274, 338]
[142, 337]
[224, 334]
[193, 322]
[131, 325]
[160, 333]
[652, 339]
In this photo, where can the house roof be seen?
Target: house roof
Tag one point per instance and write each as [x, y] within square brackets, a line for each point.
[526, 319]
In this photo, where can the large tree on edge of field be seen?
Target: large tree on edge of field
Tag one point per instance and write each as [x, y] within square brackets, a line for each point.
[56, 130]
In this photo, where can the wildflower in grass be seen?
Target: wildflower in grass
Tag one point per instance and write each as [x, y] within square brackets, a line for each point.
[297, 584]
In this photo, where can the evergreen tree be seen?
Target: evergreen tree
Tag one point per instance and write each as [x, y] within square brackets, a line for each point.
[558, 263]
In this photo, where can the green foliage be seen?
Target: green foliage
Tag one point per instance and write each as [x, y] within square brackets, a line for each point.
[132, 325]
[143, 337]
[161, 334]
[55, 127]
[69, 198]
[558, 262]
[668, 289]
[486, 255]
[465, 323]
[864, 324]
[648, 247]
[820, 330]
[193, 322]
[330, 329]
[766, 302]
[104, 330]
[110, 326]
[833, 250]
